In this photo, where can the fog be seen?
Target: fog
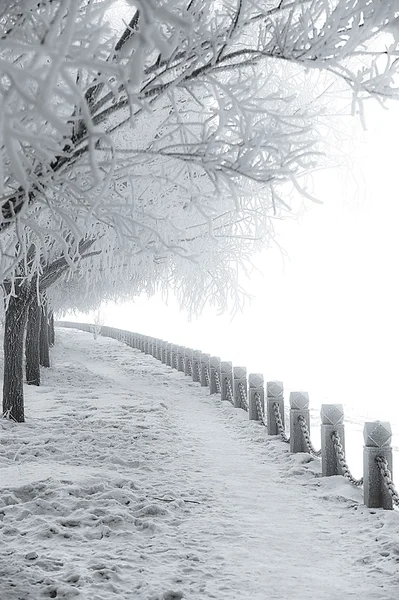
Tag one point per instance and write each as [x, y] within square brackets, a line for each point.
[324, 318]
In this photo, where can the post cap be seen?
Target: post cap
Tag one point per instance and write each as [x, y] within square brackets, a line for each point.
[299, 400]
[214, 362]
[240, 372]
[226, 366]
[377, 434]
[255, 380]
[275, 389]
[332, 414]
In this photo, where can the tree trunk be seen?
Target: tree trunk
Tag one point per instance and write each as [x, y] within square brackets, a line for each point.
[44, 345]
[14, 327]
[51, 331]
[32, 344]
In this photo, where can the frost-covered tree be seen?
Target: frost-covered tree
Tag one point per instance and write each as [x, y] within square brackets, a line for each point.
[197, 105]
[176, 131]
[25, 296]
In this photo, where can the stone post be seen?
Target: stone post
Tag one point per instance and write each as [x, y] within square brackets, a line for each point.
[188, 358]
[214, 367]
[180, 358]
[196, 361]
[256, 386]
[377, 442]
[239, 378]
[226, 378]
[275, 394]
[299, 407]
[164, 348]
[169, 349]
[204, 366]
[173, 355]
[332, 419]
[145, 344]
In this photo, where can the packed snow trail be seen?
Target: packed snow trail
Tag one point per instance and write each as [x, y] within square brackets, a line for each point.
[129, 481]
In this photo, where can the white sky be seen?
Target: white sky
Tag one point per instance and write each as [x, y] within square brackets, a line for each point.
[327, 320]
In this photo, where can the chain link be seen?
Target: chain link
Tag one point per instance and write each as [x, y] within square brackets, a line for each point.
[306, 436]
[230, 395]
[207, 378]
[199, 370]
[259, 406]
[243, 396]
[279, 422]
[342, 460]
[387, 477]
[190, 367]
[217, 381]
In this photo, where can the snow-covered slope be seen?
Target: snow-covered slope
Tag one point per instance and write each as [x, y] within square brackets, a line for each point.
[128, 481]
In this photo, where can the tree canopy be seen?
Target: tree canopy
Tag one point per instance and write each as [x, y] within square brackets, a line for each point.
[175, 123]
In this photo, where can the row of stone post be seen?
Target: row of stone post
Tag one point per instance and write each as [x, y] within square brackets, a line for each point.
[230, 382]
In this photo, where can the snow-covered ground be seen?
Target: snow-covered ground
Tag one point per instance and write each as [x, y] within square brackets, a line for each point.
[129, 481]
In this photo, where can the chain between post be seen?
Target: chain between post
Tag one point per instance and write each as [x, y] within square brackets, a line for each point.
[342, 460]
[217, 382]
[243, 396]
[279, 422]
[190, 368]
[387, 478]
[259, 406]
[207, 378]
[306, 435]
[230, 395]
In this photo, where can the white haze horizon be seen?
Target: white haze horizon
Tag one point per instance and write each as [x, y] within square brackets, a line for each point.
[324, 320]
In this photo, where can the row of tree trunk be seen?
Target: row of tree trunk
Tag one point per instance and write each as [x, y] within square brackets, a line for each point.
[30, 314]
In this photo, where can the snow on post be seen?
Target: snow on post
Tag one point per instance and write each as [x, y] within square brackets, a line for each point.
[377, 443]
[275, 394]
[299, 407]
[226, 380]
[214, 371]
[332, 420]
[239, 379]
[256, 386]
[203, 367]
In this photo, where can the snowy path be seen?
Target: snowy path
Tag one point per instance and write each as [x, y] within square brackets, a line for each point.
[128, 481]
